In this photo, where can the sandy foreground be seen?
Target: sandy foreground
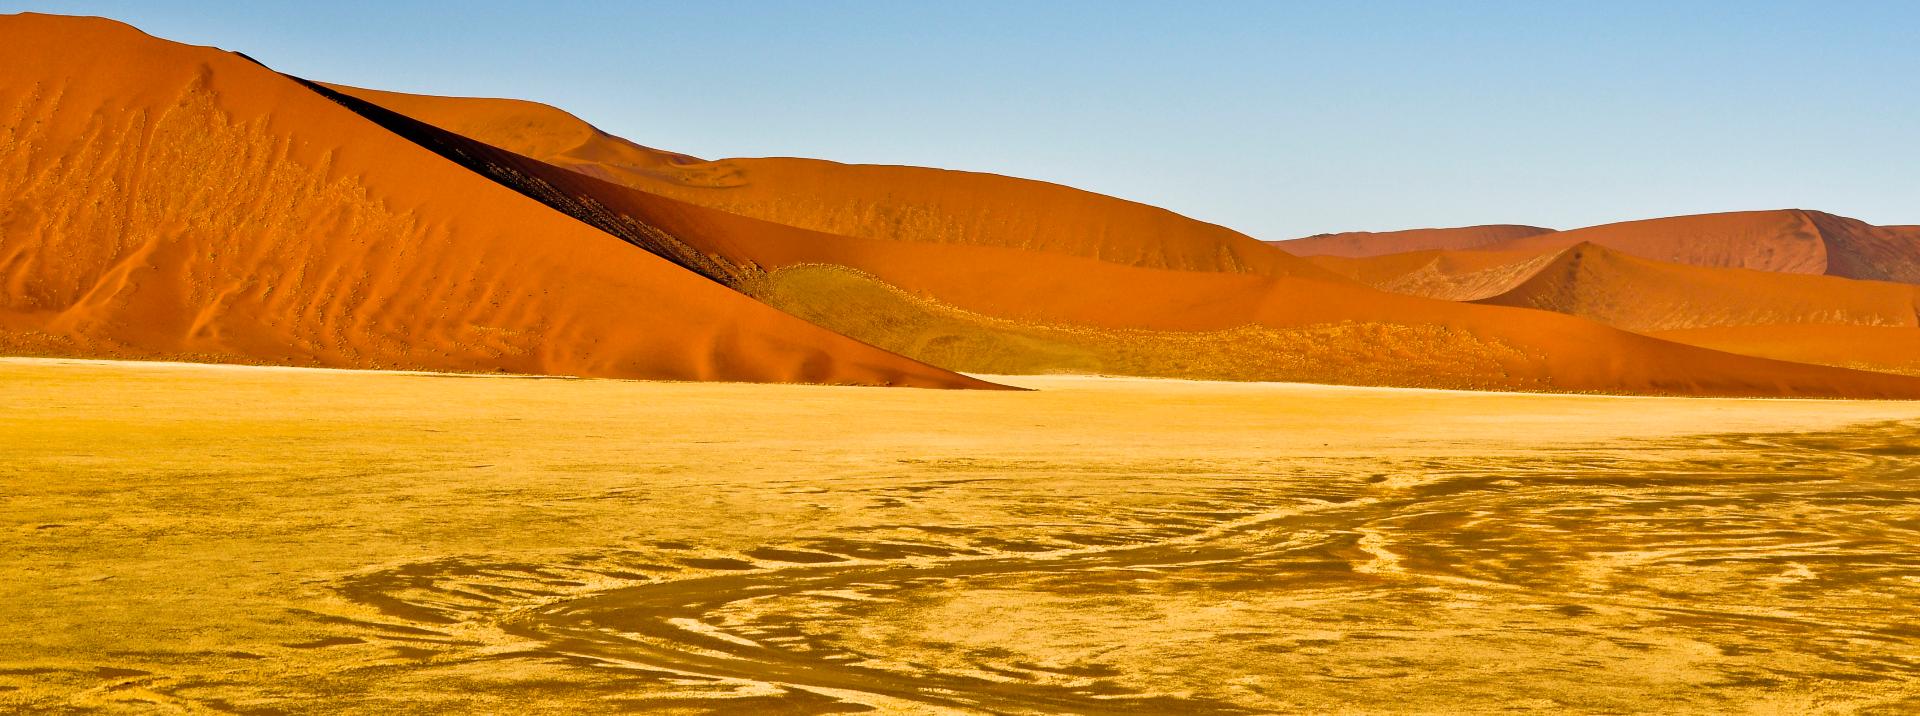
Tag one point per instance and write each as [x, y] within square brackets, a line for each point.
[207, 538]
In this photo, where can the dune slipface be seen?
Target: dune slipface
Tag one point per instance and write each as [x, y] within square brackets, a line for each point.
[1357, 244]
[171, 201]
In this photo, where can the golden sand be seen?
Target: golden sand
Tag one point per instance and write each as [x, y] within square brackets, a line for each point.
[229, 538]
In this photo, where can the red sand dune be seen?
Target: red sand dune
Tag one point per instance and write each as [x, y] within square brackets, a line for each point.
[403, 246]
[1755, 312]
[1549, 351]
[1076, 289]
[172, 201]
[1359, 244]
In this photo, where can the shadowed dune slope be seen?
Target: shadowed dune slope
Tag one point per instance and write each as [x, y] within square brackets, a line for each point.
[1358, 244]
[1856, 249]
[911, 204]
[172, 201]
[1642, 295]
[969, 306]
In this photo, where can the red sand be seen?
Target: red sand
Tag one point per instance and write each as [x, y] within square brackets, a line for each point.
[1642, 295]
[172, 201]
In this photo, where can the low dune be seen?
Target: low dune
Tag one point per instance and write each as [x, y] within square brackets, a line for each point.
[1447, 275]
[1359, 244]
[1892, 349]
[166, 201]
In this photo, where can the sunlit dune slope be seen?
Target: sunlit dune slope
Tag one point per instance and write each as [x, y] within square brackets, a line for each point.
[1356, 244]
[1642, 295]
[863, 201]
[986, 307]
[171, 201]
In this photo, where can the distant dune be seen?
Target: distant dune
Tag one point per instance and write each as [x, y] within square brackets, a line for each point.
[1767, 284]
[1358, 244]
[178, 202]
[1784, 240]
[1643, 296]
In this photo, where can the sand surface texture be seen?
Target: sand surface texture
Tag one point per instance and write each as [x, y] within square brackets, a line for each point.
[273, 539]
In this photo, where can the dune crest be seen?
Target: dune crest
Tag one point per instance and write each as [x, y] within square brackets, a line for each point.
[1361, 244]
[898, 203]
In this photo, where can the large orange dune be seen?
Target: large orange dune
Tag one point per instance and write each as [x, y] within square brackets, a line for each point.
[1358, 244]
[966, 303]
[172, 201]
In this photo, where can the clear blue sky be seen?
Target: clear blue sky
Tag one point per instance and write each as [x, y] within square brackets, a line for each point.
[1277, 119]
